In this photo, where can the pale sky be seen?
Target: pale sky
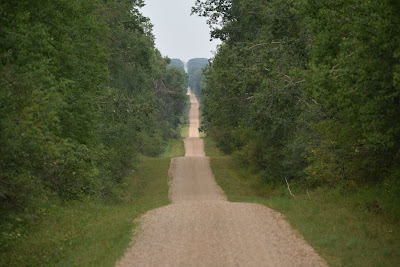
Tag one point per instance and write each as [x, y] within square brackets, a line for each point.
[179, 35]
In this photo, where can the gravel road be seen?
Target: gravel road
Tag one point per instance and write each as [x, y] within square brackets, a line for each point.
[201, 228]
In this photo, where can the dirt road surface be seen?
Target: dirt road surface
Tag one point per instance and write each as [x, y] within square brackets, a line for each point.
[201, 228]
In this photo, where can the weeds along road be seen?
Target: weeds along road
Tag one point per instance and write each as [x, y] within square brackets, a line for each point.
[201, 228]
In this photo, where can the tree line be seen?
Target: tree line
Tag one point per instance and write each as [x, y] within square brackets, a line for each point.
[83, 93]
[308, 91]
[195, 76]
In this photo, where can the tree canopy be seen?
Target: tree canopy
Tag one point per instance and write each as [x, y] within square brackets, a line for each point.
[307, 90]
[195, 72]
[83, 93]
[177, 63]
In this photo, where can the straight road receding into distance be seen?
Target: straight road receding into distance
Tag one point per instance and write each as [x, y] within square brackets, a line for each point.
[202, 228]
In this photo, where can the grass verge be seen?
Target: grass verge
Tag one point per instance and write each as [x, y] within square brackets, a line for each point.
[184, 123]
[185, 130]
[92, 233]
[335, 224]
[174, 149]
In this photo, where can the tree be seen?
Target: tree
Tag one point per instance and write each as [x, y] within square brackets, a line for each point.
[177, 63]
[84, 92]
[195, 73]
[305, 89]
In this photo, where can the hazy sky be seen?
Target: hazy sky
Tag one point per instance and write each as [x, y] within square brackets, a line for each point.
[179, 35]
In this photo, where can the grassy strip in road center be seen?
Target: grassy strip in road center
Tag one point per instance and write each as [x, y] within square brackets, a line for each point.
[92, 232]
[342, 232]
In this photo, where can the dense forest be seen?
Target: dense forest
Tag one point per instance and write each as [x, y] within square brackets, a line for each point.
[83, 93]
[308, 92]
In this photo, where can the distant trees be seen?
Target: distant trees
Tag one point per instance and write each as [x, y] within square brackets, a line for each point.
[307, 90]
[195, 72]
[83, 92]
[177, 63]
[195, 76]
[196, 63]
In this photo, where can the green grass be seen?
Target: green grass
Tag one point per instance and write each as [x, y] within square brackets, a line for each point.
[174, 149]
[201, 134]
[184, 124]
[91, 233]
[337, 225]
[185, 130]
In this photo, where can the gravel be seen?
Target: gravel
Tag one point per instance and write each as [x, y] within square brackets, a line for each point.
[201, 228]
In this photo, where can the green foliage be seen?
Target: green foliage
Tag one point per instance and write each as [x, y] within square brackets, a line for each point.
[175, 62]
[83, 93]
[196, 81]
[196, 63]
[346, 226]
[306, 90]
[89, 232]
[195, 73]
[47, 103]
[354, 61]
